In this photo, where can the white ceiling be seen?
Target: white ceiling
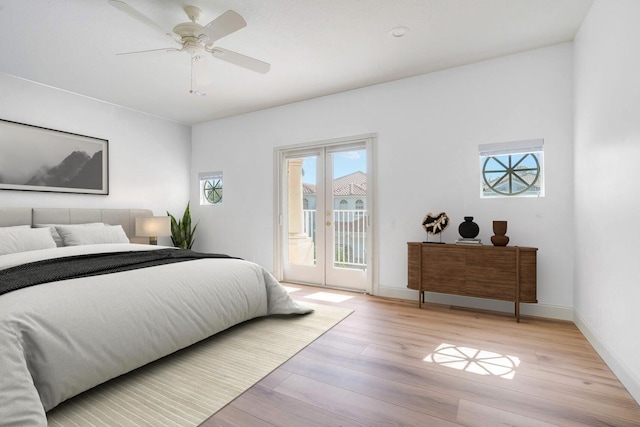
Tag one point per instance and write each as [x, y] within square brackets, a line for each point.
[315, 47]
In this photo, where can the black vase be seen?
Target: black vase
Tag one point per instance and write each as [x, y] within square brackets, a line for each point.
[468, 229]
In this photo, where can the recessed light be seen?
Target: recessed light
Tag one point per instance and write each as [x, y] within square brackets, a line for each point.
[399, 31]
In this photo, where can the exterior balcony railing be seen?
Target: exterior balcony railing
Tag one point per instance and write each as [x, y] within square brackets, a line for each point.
[349, 236]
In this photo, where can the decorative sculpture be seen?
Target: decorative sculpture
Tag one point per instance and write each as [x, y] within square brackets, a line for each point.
[435, 224]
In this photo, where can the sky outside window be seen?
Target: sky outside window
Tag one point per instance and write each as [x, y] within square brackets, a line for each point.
[343, 164]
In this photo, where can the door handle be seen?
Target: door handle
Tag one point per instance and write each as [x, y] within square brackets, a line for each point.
[328, 223]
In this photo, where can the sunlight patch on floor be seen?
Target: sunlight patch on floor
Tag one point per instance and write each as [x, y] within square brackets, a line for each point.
[290, 289]
[329, 297]
[475, 361]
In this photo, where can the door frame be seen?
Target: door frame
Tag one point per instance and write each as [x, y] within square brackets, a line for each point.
[279, 202]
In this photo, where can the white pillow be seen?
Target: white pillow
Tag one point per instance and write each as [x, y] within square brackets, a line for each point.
[54, 232]
[15, 226]
[75, 236]
[22, 239]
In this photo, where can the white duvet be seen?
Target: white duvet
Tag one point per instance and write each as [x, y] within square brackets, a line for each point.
[60, 339]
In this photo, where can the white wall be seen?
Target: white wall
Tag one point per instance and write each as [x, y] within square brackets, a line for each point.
[149, 157]
[429, 128]
[607, 160]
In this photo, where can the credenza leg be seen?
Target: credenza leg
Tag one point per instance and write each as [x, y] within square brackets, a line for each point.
[518, 284]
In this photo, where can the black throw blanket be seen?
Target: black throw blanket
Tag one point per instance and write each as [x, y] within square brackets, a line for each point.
[53, 270]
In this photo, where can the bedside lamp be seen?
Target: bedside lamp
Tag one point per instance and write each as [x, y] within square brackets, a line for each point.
[152, 227]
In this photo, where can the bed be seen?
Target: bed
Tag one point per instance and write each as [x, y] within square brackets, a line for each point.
[86, 314]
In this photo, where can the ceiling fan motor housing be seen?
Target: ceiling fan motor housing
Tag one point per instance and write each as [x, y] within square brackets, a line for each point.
[188, 29]
[192, 39]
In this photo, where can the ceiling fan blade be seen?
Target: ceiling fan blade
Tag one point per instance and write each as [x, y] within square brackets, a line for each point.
[125, 8]
[241, 60]
[166, 49]
[225, 24]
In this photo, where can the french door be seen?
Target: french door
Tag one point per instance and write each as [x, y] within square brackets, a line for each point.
[325, 233]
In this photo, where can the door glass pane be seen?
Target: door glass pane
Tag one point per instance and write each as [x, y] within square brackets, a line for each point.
[349, 201]
[301, 205]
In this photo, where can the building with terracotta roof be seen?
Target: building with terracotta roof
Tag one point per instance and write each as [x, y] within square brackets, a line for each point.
[349, 192]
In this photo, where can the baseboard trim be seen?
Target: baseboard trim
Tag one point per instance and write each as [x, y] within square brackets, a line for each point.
[537, 310]
[631, 383]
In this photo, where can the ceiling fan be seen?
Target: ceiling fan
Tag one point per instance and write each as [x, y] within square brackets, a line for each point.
[198, 41]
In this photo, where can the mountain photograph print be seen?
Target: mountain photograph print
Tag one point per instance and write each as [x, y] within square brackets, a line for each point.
[39, 159]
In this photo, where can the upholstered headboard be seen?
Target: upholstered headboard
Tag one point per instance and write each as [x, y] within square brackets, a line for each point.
[30, 216]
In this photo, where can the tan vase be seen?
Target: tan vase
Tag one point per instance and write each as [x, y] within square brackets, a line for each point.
[500, 231]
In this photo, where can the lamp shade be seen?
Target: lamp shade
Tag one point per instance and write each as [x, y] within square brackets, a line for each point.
[153, 226]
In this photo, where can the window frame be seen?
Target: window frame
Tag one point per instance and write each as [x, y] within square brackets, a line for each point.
[508, 158]
[215, 179]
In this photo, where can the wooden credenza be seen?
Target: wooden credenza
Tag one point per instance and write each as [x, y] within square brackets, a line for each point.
[506, 273]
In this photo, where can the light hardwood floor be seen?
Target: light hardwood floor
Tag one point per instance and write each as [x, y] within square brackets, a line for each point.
[390, 363]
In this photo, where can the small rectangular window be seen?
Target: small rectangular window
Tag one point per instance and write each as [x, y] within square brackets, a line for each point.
[210, 188]
[512, 169]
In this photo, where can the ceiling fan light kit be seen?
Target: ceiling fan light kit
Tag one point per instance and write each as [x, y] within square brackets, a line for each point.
[198, 40]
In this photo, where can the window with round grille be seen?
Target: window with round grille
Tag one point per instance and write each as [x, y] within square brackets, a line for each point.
[512, 169]
[211, 188]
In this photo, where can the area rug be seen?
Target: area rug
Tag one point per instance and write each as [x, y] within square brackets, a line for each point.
[187, 387]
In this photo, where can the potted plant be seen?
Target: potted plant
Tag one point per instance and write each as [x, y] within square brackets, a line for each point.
[182, 235]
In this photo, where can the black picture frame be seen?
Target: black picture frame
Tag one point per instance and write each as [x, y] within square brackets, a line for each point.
[34, 158]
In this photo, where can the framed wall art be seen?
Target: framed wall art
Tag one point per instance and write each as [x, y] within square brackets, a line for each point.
[39, 159]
